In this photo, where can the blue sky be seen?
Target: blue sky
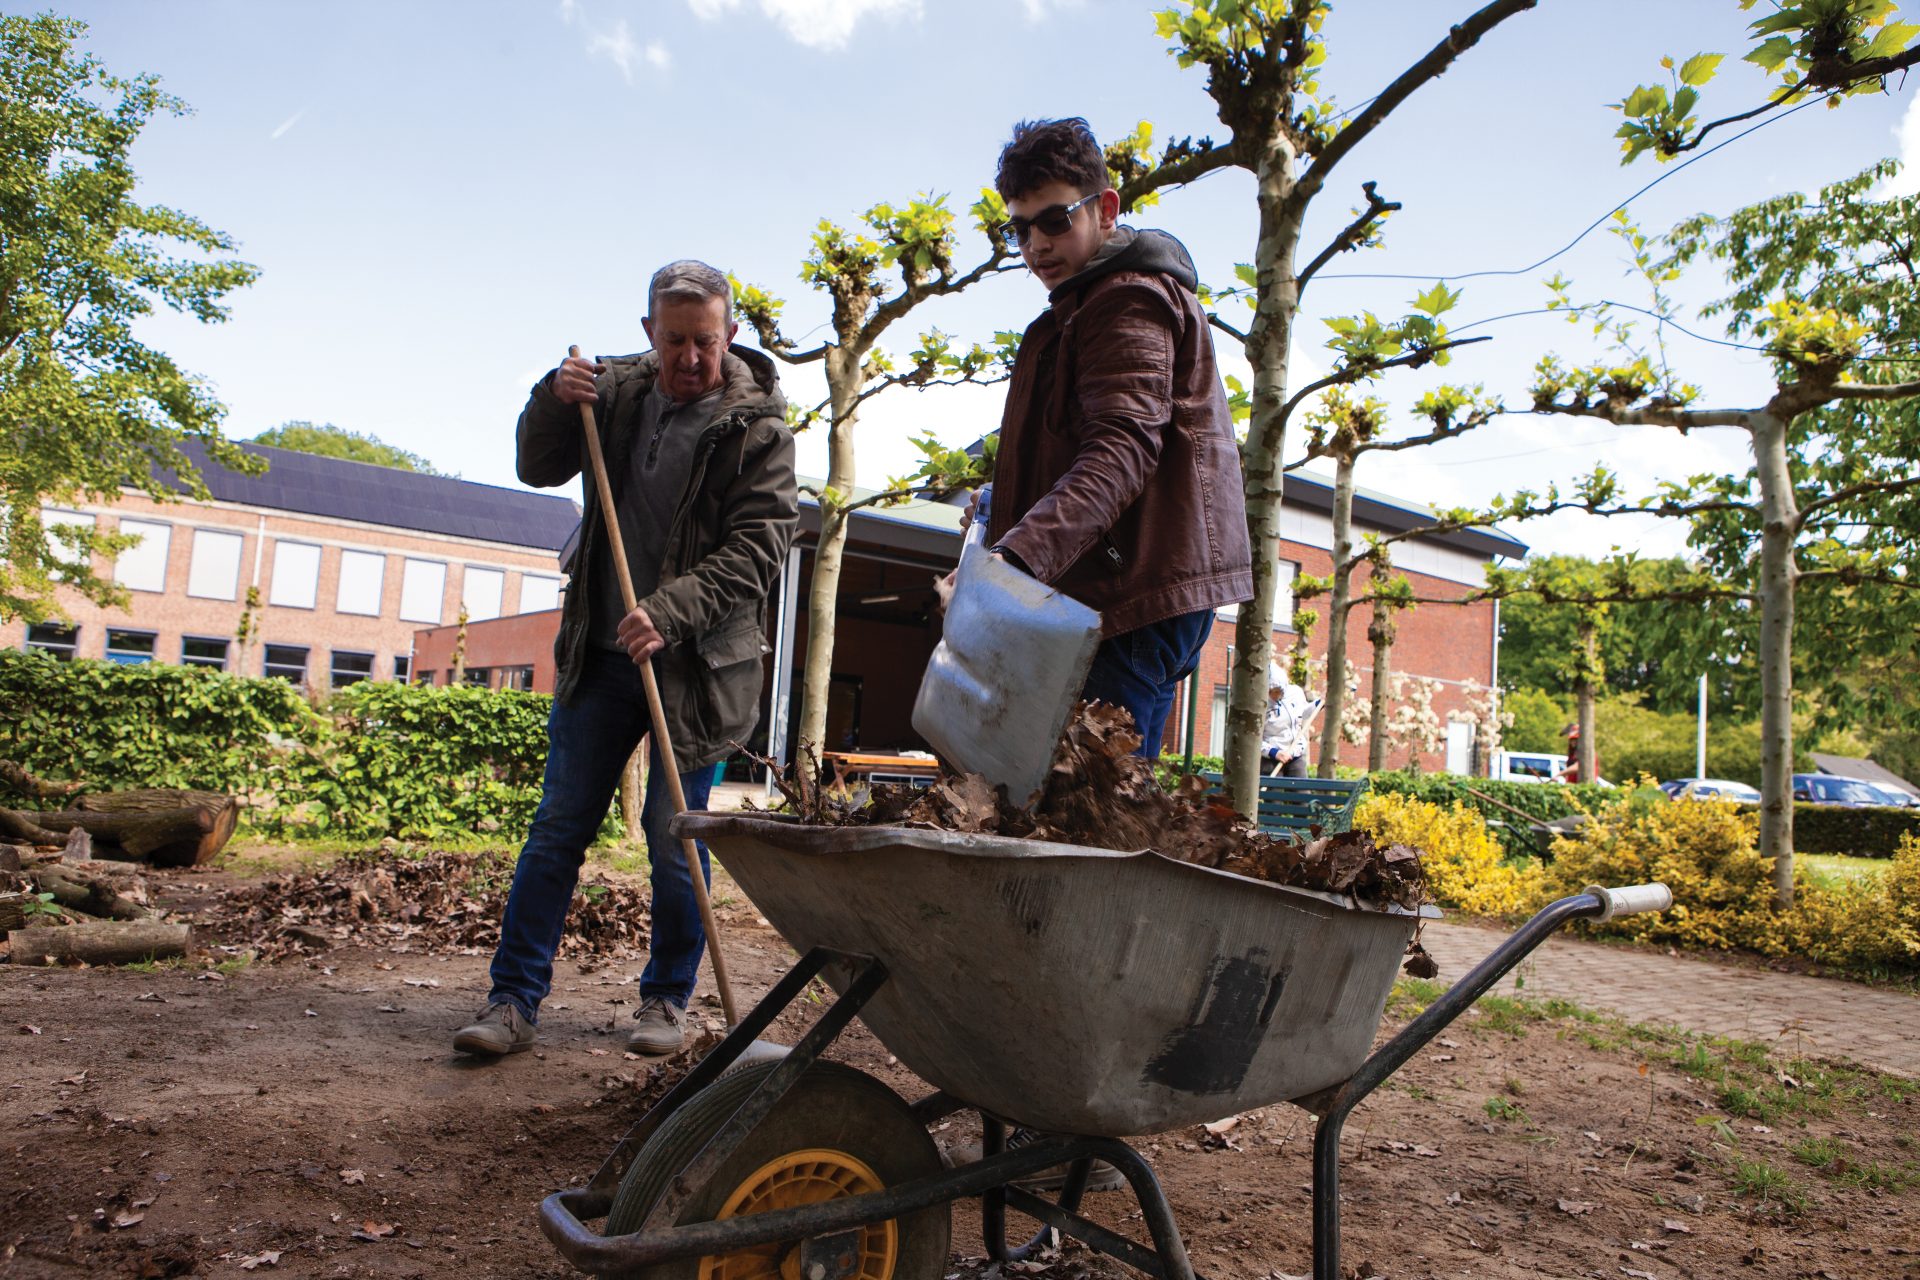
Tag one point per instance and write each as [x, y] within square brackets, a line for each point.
[443, 196]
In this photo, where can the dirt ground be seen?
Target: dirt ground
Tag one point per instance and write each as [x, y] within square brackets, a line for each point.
[308, 1118]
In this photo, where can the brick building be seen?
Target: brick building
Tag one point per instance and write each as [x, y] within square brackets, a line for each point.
[887, 625]
[348, 559]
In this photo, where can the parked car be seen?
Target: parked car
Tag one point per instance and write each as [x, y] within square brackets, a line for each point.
[1527, 766]
[1714, 788]
[1831, 788]
[1894, 797]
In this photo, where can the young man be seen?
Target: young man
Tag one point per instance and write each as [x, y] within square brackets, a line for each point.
[1118, 475]
[700, 464]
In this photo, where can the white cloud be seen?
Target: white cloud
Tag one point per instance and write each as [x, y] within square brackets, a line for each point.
[620, 48]
[1907, 181]
[1040, 10]
[285, 125]
[826, 25]
[569, 10]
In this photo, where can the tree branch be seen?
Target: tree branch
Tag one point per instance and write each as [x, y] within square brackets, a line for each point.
[1872, 391]
[1190, 167]
[1457, 41]
[1351, 235]
[914, 294]
[1224, 327]
[1852, 491]
[1650, 416]
[1353, 372]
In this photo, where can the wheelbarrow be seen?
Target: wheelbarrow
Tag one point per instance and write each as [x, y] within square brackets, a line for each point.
[1083, 993]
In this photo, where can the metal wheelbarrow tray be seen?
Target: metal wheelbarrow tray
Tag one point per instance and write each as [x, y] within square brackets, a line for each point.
[1085, 993]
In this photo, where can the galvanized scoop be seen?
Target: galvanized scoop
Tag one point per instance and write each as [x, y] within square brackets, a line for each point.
[1007, 672]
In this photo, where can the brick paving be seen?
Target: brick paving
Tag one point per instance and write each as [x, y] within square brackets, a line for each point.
[1821, 1017]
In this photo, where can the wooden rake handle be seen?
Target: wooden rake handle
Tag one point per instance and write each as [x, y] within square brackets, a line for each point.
[662, 738]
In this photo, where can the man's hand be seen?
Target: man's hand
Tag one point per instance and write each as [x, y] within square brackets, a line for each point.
[943, 588]
[573, 380]
[639, 637]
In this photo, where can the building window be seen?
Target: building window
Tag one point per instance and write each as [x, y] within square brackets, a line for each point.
[350, 668]
[214, 571]
[129, 648]
[296, 575]
[143, 566]
[482, 676]
[53, 640]
[538, 593]
[362, 574]
[480, 593]
[423, 591]
[403, 669]
[203, 651]
[1283, 595]
[426, 677]
[516, 677]
[288, 662]
[51, 522]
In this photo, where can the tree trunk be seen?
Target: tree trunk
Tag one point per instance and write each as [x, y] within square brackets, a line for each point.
[100, 943]
[1269, 340]
[1585, 683]
[1339, 608]
[633, 793]
[167, 828]
[1780, 520]
[823, 596]
[1380, 631]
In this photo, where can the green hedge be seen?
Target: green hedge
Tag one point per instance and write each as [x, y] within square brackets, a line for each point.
[376, 759]
[1864, 833]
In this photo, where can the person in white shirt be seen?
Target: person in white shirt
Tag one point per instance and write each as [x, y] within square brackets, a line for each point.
[1283, 738]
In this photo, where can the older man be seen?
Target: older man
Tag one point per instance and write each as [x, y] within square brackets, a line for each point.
[700, 464]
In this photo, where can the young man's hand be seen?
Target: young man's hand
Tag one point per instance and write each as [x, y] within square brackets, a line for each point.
[639, 637]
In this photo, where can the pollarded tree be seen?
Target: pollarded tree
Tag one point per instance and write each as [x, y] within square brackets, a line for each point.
[1263, 60]
[86, 408]
[330, 441]
[875, 276]
[1826, 504]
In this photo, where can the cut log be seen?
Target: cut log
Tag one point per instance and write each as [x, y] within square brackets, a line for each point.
[9, 857]
[20, 824]
[166, 828]
[91, 894]
[101, 943]
[13, 910]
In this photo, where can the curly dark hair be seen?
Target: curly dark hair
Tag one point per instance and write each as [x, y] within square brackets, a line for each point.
[1044, 151]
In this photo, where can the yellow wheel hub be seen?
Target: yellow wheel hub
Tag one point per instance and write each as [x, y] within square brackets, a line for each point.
[794, 1179]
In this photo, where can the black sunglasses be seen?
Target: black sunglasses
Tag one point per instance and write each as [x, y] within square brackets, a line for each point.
[1054, 221]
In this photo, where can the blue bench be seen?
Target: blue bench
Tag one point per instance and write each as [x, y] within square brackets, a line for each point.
[1291, 806]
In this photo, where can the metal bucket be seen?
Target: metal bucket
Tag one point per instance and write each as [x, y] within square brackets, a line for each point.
[1078, 990]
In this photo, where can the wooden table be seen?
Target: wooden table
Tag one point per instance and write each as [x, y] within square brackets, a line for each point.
[879, 767]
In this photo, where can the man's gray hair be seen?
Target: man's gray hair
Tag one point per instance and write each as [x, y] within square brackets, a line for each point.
[688, 280]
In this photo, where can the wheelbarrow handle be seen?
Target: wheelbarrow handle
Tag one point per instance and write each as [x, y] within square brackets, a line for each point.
[1631, 900]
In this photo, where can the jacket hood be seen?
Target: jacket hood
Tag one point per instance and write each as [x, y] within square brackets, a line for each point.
[1129, 249]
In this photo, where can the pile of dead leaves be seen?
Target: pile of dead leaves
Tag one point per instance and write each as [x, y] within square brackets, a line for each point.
[431, 901]
[1099, 794]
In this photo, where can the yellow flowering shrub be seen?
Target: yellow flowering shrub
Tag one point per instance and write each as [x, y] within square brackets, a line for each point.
[1465, 866]
[1707, 852]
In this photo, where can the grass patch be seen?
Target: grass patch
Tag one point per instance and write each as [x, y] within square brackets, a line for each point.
[1506, 1109]
[1834, 869]
[1820, 1153]
[1772, 1190]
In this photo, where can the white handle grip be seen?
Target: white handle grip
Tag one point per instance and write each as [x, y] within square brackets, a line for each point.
[1632, 900]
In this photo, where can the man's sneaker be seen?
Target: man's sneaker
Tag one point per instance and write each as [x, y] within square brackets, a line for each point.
[662, 1029]
[502, 1029]
[1102, 1177]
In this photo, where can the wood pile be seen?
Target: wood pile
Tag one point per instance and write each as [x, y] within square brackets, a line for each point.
[67, 891]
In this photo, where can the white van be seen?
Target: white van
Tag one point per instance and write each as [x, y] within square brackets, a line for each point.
[1527, 766]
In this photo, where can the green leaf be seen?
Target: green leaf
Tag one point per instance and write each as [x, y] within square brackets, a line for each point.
[1246, 275]
[1700, 68]
[1437, 299]
[1771, 53]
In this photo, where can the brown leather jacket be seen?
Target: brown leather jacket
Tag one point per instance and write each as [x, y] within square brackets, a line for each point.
[1118, 476]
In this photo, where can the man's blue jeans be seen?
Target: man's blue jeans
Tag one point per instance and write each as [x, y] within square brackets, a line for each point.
[588, 744]
[1141, 669]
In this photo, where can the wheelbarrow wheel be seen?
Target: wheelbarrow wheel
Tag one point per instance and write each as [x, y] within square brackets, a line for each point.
[838, 1132]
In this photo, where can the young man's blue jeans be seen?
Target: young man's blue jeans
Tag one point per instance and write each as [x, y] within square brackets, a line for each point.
[1141, 669]
[588, 743]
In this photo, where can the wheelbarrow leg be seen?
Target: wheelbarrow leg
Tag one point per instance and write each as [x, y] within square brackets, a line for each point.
[1167, 1260]
[1334, 1106]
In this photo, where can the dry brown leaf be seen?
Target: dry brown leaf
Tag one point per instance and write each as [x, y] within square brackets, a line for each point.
[374, 1231]
[271, 1258]
[353, 1177]
[126, 1218]
[1573, 1206]
[1675, 1225]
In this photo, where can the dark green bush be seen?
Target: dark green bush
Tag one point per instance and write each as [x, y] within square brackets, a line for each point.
[1863, 833]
